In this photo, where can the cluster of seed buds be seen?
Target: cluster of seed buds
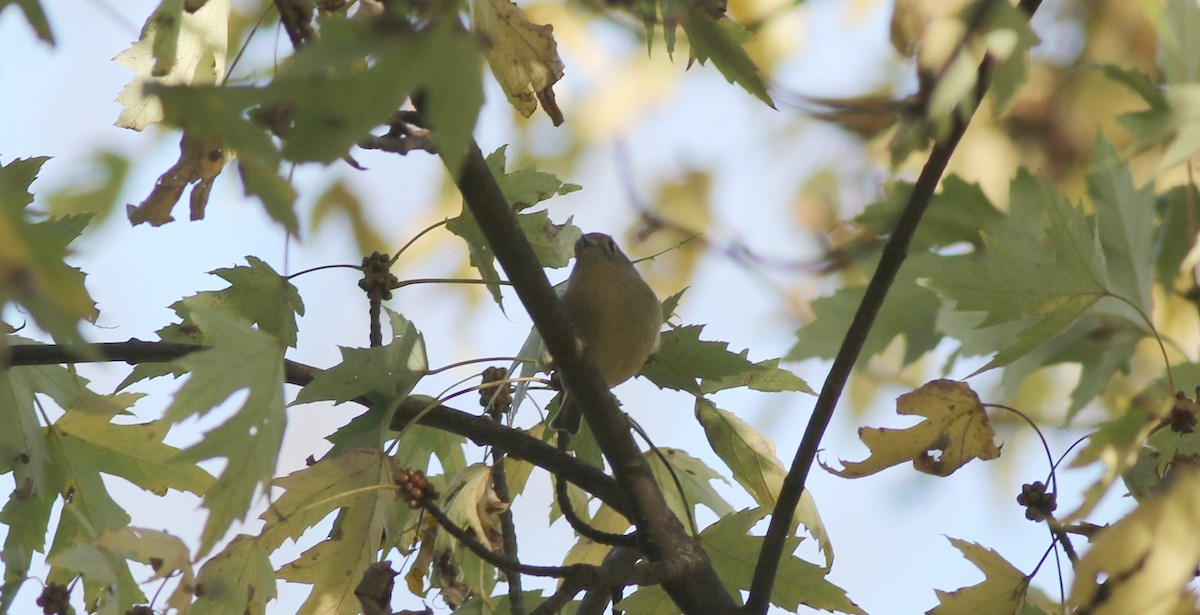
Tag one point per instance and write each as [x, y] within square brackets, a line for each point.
[1039, 504]
[414, 488]
[496, 399]
[378, 280]
[1182, 418]
[55, 599]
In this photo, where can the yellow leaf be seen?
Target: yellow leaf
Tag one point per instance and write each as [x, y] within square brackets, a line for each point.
[200, 57]
[1144, 562]
[957, 427]
[523, 55]
[1002, 591]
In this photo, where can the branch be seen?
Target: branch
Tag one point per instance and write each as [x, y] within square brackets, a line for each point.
[894, 253]
[661, 536]
[480, 430]
[508, 532]
[132, 352]
[482, 552]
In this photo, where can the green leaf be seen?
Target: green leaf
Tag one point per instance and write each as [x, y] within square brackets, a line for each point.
[751, 457]
[34, 15]
[527, 186]
[108, 586]
[240, 358]
[721, 41]
[764, 376]
[553, 244]
[166, 24]
[1125, 220]
[957, 213]
[239, 579]
[26, 517]
[166, 554]
[1115, 444]
[358, 484]
[683, 359]
[33, 269]
[1178, 26]
[1008, 37]
[694, 488]
[1179, 209]
[1002, 591]
[453, 85]
[96, 188]
[910, 310]
[1102, 346]
[135, 453]
[734, 553]
[23, 447]
[388, 372]
[255, 293]
[88, 512]
[1008, 284]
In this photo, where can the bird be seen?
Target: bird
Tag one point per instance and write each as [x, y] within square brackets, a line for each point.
[617, 316]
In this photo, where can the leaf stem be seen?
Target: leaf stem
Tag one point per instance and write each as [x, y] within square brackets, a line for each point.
[418, 236]
[1157, 338]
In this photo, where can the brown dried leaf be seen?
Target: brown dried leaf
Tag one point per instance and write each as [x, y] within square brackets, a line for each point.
[523, 55]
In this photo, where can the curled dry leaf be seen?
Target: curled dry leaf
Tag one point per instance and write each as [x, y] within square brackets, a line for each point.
[523, 55]
[198, 164]
[956, 427]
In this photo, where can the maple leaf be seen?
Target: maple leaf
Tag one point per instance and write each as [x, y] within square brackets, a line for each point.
[1144, 562]
[37, 457]
[239, 579]
[720, 40]
[358, 485]
[757, 468]
[694, 487]
[166, 554]
[472, 504]
[553, 243]
[683, 359]
[1125, 217]
[957, 427]
[734, 552]
[910, 310]
[33, 271]
[255, 293]
[1010, 284]
[1116, 445]
[179, 48]
[240, 357]
[1002, 591]
[388, 372]
[523, 55]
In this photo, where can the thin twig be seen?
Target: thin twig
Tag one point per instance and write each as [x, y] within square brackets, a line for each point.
[894, 253]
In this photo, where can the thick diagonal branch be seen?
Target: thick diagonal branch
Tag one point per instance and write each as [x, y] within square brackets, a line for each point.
[662, 537]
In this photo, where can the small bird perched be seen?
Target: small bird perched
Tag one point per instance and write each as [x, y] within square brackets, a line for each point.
[616, 313]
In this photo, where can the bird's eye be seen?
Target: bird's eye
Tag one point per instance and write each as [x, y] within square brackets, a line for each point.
[610, 244]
